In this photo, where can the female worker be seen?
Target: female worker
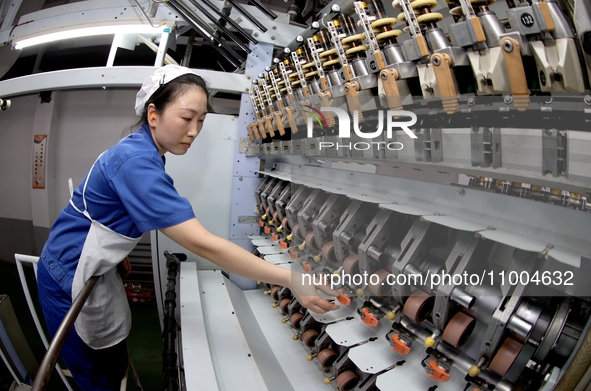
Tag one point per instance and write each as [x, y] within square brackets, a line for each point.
[126, 193]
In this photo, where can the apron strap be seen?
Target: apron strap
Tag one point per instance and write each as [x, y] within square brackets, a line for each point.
[85, 211]
[71, 187]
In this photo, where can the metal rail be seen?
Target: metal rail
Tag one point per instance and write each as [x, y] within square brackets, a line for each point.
[203, 29]
[53, 352]
[248, 16]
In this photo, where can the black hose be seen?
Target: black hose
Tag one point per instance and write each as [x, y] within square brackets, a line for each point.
[169, 356]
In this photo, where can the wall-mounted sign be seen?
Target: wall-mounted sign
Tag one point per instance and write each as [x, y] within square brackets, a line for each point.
[39, 155]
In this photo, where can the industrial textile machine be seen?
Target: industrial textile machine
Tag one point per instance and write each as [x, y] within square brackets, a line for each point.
[438, 181]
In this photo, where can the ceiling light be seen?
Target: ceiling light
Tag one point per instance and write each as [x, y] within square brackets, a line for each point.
[88, 32]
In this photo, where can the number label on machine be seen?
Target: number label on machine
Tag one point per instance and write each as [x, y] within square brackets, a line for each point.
[527, 20]
[39, 154]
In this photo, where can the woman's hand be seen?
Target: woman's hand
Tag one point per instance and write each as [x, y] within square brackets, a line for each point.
[306, 290]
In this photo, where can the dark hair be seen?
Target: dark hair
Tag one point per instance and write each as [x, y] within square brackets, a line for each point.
[167, 93]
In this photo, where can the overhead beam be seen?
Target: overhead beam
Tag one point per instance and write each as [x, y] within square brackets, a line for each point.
[121, 76]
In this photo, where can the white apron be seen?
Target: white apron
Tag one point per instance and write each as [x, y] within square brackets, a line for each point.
[105, 318]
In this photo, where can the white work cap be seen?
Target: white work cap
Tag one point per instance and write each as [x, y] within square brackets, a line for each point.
[156, 80]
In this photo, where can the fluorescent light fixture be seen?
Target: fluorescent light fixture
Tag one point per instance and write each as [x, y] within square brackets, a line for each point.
[89, 32]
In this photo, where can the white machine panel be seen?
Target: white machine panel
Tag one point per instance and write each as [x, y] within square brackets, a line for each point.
[354, 331]
[278, 259]
[374, 356]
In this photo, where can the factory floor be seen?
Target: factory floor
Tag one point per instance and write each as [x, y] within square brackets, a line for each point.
[144, 342]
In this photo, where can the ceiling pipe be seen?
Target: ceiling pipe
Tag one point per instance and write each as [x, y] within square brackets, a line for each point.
[230, 21]
[248, 16]
[263, 9]
[220, 26]
[222, 47]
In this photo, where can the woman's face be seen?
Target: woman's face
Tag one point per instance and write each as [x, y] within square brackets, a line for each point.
[175, 129]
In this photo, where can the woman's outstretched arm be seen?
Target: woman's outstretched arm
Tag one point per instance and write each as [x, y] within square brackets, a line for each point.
[233, 258]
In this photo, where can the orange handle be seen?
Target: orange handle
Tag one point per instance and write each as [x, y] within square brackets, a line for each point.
[437, 373]
[398, 345]
[343, 298]
[368, 318]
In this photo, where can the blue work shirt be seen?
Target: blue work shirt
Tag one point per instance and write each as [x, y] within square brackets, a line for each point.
[128, 191]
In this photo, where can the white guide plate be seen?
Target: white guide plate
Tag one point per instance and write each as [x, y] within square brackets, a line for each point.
[342, 313]
[262, 242]
[413, 376]
[257, 237]
[374, 357]
[278, 258]
[268, 250]
[354, 331]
